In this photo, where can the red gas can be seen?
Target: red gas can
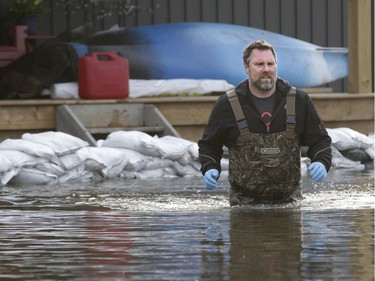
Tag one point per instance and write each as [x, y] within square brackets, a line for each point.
[103, 75]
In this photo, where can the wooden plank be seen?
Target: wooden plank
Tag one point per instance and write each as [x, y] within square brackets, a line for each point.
[109, 115]
[182, 114]
[27, 117]
[342, 107]
[359, 44]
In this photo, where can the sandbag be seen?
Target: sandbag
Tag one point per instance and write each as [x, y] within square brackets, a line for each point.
[20, 159]
[77, 174]
[133, 140]
[61, 143]
[50, 168]
[136, 160]
[346, 138]
[341, 162]
[7, 170]
[31, 176]
[157, 162]
[70, 161]
[356, 154]
[32, 148]
[172, 147]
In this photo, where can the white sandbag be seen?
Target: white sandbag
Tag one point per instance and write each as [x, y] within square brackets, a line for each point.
[31, 176]
[170, 172]
[50, 168]
[89, 156]
[133, 140]
[149, 174]
[339, 161]
[110, 160]
[157, 162]
[20, 159]
[362, 140]
[136, 160]
[5, 163]
[61, 143]
[194, 150]
[341, 140]
[305, 163]
[115, 170]
[196, 165]
[7, 171]
[174, 148]
[32, 148]
[185, 171]
[128, 174]
[185, 159]
[77, 174]
[70, 161]
[370, 152]
[67, 90]
[346, 138]
[8, 175]
[224, 163]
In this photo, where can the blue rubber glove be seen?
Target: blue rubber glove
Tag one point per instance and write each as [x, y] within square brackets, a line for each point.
[210, 178]
[317, 171]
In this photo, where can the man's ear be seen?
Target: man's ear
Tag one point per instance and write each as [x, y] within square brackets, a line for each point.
[246, 68]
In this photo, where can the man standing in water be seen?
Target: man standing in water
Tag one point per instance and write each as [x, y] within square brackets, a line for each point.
[264, 122]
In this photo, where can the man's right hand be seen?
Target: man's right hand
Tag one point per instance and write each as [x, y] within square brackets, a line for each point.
[210, 178]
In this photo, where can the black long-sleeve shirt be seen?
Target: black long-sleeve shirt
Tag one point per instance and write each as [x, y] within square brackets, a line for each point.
[222, 128]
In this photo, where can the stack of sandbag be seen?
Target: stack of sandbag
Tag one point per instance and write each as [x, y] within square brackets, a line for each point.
[56, 157]
[154, 157]
[351, 149]
[42, 158]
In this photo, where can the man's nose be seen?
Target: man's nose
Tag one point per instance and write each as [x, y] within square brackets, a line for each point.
[266, 68]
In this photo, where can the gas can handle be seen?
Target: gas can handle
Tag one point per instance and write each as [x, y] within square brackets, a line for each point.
[104, 56]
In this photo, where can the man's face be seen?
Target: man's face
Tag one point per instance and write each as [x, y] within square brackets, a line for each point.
[262, 69]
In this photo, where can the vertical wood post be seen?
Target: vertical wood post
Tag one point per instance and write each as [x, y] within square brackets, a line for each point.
[359, 45]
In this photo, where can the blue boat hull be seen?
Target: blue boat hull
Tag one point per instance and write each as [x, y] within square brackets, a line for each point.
[214, 51]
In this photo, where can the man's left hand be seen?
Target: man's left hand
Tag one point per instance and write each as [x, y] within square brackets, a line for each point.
[318, 171]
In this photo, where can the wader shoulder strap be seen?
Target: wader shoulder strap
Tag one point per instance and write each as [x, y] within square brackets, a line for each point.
[291, 113]
[238, 113]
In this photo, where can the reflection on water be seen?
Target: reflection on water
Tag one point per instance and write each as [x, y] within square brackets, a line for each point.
[176, 230]
[266, 244]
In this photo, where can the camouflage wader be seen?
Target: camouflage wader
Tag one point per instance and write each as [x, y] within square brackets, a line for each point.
[264, 167]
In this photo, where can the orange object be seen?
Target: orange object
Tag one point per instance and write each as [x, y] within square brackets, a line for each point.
[103, 75]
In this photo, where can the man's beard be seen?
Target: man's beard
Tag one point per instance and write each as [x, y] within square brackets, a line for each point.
[264, 86]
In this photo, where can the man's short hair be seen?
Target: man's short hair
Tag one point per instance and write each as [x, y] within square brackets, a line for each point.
[259, 45]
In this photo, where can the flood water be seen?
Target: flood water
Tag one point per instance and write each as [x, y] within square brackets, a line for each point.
[174, 229]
